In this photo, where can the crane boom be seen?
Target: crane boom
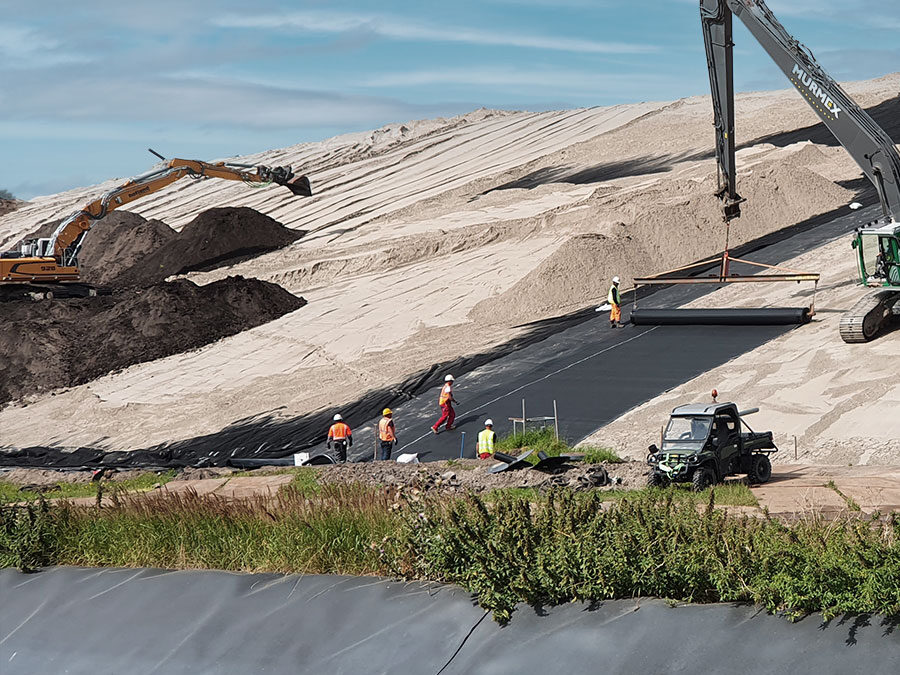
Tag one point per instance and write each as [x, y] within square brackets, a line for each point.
[867, 143]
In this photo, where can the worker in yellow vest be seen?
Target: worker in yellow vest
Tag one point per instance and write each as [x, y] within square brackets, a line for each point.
[340, 438]
[486, 441]
[615, 312]
[387, 434]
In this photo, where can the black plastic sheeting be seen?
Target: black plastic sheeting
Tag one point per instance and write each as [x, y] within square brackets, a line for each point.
[747, 316]
[621, 379]
[150, 621]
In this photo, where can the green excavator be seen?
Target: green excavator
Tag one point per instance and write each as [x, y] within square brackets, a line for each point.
[877, 244]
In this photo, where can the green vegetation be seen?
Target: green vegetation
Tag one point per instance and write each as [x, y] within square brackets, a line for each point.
[727, 494]
[593, 455]
[6, 194]
[724, 494]
[567, 548]
[10, 493]
[851, 503]
[545, 440]
[519, 546]
[331, 531]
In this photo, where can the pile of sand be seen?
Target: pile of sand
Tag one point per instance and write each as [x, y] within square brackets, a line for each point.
[659, 227]
[68, 342]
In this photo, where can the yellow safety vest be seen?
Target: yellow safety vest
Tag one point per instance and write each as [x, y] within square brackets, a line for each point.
[486, 441]
[613, 296]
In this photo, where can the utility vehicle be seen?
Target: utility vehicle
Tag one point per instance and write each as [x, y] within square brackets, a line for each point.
[702, 444]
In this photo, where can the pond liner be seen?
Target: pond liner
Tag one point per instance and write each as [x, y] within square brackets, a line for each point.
[732, 316]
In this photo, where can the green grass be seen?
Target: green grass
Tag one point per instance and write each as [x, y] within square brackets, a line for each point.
[520, 546]
[11, 493]
[726, 494]
[595, 455]
[544, 440]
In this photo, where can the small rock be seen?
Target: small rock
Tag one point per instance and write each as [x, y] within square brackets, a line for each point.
[448, 475]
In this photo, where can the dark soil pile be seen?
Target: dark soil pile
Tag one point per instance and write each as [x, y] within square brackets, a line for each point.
[64, 343]
[118, 242]
[214, 238]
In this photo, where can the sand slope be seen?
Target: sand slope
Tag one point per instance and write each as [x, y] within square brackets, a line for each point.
[434, 239]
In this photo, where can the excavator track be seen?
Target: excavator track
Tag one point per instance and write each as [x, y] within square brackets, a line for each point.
[868, 316]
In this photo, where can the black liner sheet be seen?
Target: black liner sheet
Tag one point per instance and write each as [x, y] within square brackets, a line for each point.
[733, 316]
[140, 621]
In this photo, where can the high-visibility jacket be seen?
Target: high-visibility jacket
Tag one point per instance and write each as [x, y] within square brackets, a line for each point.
[486, 441]
[386, 429]
[339, 432]
[613, 296]
[446, 393]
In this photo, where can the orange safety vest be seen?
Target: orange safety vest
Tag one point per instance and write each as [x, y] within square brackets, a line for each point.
[386, 429]
[446, 394]
[339, 431]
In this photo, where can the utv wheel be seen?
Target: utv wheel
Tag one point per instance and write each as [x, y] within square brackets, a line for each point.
[656, 479]
[760, 469]
[701, 480]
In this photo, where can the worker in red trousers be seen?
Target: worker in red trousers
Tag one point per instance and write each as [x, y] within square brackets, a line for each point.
[446, 402]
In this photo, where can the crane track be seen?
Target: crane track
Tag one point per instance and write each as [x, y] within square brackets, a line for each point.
[867, 317]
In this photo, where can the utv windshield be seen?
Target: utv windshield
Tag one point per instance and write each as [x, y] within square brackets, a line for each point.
[688, 428]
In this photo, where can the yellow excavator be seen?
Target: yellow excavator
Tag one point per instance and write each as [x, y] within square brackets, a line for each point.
[43, 265]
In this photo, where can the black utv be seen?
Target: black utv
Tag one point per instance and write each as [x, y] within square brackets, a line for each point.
[703, 444]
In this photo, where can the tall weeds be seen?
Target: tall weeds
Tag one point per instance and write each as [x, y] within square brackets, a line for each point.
[544, 549]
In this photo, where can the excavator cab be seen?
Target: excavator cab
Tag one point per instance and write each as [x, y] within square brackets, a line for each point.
[878, 255]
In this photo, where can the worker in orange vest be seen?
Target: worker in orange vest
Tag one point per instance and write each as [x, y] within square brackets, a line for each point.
[340, 438]
[446, 402]
[387, 433]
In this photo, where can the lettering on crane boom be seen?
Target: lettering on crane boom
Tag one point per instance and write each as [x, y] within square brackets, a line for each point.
[816, 89]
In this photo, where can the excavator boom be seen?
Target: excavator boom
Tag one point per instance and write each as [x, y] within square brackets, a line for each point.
[55, 259]
[878, 245]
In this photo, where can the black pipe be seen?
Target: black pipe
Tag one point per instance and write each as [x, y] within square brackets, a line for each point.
[771, 316]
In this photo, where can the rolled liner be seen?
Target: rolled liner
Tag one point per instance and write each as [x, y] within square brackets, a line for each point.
[771, 316]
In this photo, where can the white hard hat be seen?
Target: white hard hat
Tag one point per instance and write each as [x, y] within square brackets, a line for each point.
[615, 280]
[338, 418]
[489, 423]
[448, 378]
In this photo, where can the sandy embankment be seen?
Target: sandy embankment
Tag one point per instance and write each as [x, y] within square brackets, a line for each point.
[840, 401]
[423, 246]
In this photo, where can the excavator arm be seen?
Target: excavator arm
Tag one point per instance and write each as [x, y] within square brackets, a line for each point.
[878, 244]
[867, 143]
[66, 241]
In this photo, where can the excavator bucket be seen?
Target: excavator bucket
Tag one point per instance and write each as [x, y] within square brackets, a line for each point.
[299, 186]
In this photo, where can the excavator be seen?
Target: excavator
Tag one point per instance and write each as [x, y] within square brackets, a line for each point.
[877, 245]
[43, 266]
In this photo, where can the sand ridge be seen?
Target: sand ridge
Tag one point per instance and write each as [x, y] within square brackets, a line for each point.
[423, 245]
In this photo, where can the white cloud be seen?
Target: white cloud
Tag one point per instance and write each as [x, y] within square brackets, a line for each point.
[557, 79]
[24, 47]
[402, 29]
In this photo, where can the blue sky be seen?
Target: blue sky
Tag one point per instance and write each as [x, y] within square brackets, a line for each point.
[87, 86]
